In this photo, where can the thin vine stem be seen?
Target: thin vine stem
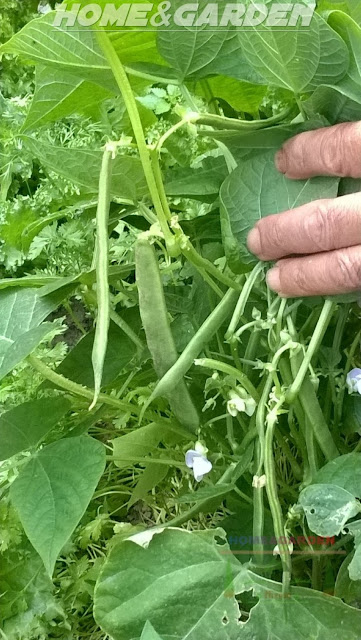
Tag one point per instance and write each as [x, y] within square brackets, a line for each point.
[318, 334]
[132, 109]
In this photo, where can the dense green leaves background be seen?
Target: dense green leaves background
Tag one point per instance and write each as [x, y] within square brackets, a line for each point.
[63, 513]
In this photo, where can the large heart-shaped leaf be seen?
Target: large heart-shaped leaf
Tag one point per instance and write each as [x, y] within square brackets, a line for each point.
[77, 365]
[26, 425]
[350, 84]
[344, 471]
[201, 51]
[298, 58]
[184, 584]
[255, 190]
[53, 491]
[178, 584]
[301, 614]
[328, 508]
[82, 166]
[60, 93]
[22, 311]
[73, 49]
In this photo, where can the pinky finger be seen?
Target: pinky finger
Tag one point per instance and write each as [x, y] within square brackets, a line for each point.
[330, 273]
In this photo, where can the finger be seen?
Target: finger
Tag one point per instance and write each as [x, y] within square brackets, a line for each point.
[331, 151]
[330, 273]
[323, 225]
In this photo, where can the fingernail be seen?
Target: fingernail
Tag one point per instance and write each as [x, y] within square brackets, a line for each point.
[281, 161]
[273, 279]
[254, 241]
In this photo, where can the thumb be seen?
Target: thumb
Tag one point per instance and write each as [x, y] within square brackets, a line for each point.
[331, 151]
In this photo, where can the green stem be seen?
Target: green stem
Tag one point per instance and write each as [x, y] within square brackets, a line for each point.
[319, 332]
[221, 122]
[271, 488]
[311, 452]
[243, 299]
[217, 365]
[197, 260]
[296, 469]
[77, 389]
[132, 109]
[313, 412]
[89, 297]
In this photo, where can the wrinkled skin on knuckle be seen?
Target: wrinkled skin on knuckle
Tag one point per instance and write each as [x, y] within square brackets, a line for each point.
[318, 227]
[340, 150]
[272, 235]
[346, 269]
[293, 277]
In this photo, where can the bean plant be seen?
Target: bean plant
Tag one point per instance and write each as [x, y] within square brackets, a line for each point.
[180, 447]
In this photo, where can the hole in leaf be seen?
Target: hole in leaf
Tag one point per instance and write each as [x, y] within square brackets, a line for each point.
[312, 511]
[225, 619]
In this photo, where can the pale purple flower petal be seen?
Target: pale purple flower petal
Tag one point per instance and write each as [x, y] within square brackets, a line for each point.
[201, 466]
[190, 455]
[353, 380]
[199, 463]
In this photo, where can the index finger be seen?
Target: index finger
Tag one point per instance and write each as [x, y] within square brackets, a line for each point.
[331, 151]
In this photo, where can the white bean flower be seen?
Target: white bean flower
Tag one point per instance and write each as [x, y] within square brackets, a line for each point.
[197, 460]
[353, 381]
[276, 550]
[240, 402]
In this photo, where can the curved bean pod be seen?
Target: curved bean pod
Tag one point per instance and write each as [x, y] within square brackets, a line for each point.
[157, 329]
[196, 345]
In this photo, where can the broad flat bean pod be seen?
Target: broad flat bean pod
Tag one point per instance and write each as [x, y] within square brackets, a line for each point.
[157, 329]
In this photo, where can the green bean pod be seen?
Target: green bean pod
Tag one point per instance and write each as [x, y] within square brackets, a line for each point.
[205, 333]
[157, 329]
[101, 264]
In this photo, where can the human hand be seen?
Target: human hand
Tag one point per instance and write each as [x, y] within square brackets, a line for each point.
[325, 234]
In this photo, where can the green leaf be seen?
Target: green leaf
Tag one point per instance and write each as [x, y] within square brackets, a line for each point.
[22, 311]
[354, 568]
[344, 471]
[77, 365]
[59, 94]
[72, 49]
[345, 588]
[333, 105]
[205, 51]
[27, 424]
[242, 96]
[138, 443]
[299, 59]
[82, 166]
[185, 584]
[53, 491]
[189, 49]
[351, 422]
[204, 180]
[350, 84]
[22, 347]
[355, 10]
[302, 614]
[256, 189]
[328, 508]
[178, 583]
[149, 633]
[246, 145]
[152, 475]
[205, 493]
